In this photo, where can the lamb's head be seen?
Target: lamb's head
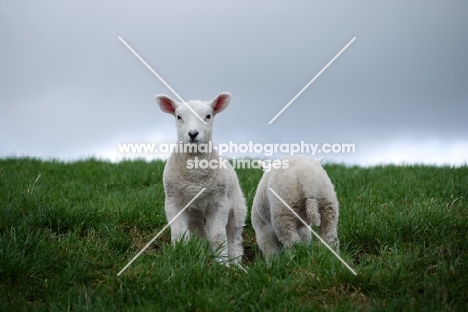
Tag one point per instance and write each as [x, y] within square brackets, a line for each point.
[190, 128]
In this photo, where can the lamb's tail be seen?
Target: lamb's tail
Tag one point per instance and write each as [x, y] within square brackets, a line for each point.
[312, 211]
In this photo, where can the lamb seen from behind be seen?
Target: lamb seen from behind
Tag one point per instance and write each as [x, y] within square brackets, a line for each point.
[307, 189]
[222, 205]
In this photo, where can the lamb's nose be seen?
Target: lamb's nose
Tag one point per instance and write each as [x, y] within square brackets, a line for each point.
[193, 134]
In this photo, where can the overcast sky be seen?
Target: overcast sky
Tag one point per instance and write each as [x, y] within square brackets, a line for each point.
[70, 89]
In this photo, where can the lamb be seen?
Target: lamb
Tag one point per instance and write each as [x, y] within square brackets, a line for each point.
[307, 189]
[222, 205]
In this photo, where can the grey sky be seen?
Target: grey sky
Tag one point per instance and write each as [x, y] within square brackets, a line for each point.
[70, 89]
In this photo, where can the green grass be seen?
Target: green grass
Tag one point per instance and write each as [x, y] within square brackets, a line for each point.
[66, 230]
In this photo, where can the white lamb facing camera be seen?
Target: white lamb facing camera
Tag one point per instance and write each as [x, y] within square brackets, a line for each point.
[222, 205]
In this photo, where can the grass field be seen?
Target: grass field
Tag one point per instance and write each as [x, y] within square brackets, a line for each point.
[67, 229]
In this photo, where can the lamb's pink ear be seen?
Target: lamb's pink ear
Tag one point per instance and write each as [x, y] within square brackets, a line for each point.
[166, 104]
[221, 102]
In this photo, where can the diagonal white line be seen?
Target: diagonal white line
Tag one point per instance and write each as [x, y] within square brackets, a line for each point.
[313, 232]
[310, 82]
[160, 232]
[160, 78]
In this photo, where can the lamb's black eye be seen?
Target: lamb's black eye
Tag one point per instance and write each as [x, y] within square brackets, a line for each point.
[208, 116]
[179, 118]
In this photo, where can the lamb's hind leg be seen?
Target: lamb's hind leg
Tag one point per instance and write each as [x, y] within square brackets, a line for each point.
[266, 236]
[329, 223]
[264, 232]
[285, 223]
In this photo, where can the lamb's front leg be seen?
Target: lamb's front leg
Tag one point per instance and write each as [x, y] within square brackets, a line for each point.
[179, 226]
[216, 221]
